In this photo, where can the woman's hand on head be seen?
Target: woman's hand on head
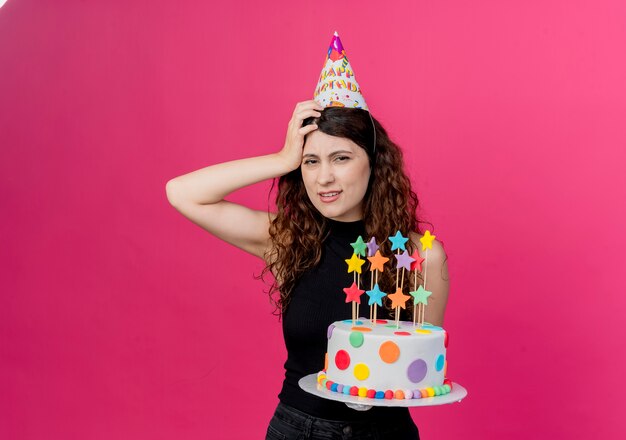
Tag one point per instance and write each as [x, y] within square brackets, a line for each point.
[294, 142]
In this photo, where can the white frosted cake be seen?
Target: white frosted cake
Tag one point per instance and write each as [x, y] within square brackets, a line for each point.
[386, 361]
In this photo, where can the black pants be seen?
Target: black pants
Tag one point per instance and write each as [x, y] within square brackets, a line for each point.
[290, 424]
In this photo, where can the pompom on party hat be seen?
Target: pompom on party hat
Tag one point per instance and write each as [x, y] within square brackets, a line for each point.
[337, 86]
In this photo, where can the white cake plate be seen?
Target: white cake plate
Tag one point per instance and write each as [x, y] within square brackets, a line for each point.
[310, 385]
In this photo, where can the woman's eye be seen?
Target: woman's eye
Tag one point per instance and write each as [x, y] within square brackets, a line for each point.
[310, 161]
[341, 158]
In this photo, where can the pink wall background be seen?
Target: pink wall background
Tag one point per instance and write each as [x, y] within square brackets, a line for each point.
[112, 316]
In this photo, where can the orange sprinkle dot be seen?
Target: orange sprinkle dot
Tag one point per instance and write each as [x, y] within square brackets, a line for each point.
[399, 394]
[389, 352]
[362, 329]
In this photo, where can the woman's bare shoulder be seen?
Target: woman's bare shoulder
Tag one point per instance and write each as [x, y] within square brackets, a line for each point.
[437, 253]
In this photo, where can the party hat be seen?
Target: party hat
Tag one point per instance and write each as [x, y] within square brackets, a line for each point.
[337, 86]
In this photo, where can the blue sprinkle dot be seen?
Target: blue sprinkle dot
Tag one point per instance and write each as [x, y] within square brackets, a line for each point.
[440, 362]
[379, 395]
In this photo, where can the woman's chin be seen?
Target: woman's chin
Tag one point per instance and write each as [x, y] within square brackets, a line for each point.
[335, 211]
[341, 216]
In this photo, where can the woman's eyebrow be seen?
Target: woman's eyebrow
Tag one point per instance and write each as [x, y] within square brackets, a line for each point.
[333, 153]
[340, 152]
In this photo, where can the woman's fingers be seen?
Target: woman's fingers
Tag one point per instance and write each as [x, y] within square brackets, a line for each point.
[307, 105]
[302, 115]
[304, 110]
[299, 117]
[308, 129]
[292, 151]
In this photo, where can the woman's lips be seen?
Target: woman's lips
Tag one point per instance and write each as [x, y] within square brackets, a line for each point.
[329, 196]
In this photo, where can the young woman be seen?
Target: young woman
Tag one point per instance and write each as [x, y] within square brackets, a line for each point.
[340, 177]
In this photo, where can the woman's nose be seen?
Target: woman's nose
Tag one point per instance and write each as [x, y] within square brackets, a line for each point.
[325, 175]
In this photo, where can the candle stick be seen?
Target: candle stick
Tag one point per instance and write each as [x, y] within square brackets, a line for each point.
[358, 283]
[377, 264]
[376, 305]
[354, 314]
[352, 292]
[415, 267]
[425, 303]
[359, 247]
[371, 288]
[398, 243]
[404, 262]
[354, 302]
[415, 308]
[398, 301]
[372, 247]
[397, 307]
[422, 294]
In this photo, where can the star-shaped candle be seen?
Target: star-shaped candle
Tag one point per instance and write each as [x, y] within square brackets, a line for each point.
[416, 266]
[377, 262]
[376, 296]
[398, 241]
[354, 264]
[398, 300]
[420, 296]
[359, 246]
[353, 293]
[372, 247]
[404, 260]
[427, 240]
[420, 301]
[417, 263]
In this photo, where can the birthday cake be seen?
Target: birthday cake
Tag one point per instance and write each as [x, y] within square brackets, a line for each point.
[387, 359]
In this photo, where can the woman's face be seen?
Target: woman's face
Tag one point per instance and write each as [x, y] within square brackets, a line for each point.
[335, 172]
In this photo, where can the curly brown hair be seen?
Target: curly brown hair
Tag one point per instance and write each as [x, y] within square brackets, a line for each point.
[299, 228]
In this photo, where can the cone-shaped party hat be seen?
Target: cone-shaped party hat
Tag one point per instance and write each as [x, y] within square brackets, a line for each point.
[337, 86]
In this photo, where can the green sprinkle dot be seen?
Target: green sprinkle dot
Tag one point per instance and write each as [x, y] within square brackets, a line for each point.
[356, 339]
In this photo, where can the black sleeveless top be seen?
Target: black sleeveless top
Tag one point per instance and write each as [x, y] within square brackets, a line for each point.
[316, 302]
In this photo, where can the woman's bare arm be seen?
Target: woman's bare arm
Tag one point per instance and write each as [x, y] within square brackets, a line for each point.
[200, 195]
